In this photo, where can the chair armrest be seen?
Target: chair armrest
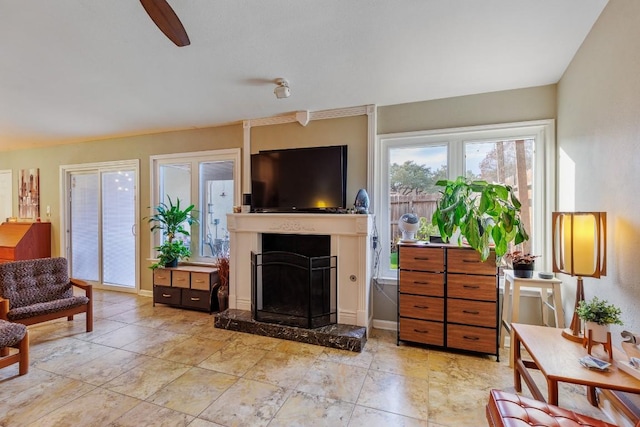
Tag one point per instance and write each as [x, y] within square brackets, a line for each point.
[87, 287]
[4, 308]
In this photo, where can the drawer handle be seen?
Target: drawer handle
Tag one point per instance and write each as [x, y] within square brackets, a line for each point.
[180, 279]
[420, 331]
[421, 258]
[421, 306]
[195, 299]
[162, 277]
[199, 281]
[466, 337]
[415, 282]
[166, 296]
[470, 312]
[475, 261]
[471, 286]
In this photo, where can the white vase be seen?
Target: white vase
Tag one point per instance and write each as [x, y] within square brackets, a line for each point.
[598, 332]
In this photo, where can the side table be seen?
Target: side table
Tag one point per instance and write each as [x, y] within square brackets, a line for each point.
[511, 301]
[557, 358]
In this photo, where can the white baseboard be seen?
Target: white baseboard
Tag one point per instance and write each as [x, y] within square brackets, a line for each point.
[386, 325]
[144, 293]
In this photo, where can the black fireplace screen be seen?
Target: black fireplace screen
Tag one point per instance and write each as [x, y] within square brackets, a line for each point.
[293, 289]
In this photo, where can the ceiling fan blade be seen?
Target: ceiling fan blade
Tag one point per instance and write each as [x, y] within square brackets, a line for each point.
[166, 19]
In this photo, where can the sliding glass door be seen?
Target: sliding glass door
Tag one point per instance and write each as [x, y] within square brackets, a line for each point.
[102, 213]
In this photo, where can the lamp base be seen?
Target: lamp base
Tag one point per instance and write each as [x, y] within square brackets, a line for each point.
[568, 334]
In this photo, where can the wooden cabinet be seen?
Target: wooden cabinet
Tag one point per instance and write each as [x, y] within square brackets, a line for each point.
[186, 286]
[24, 240]
[447, 297]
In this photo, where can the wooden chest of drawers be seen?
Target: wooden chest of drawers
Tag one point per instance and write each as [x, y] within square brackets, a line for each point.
[187, 286]
[447, 297]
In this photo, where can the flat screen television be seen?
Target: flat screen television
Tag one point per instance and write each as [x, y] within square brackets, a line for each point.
[299, 180]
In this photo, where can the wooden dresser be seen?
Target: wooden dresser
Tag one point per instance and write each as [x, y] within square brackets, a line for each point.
[24, 240]
[448, 298]
[186, 286]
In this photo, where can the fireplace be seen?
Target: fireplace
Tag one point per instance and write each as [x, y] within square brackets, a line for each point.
[294, 281]
[349, 236]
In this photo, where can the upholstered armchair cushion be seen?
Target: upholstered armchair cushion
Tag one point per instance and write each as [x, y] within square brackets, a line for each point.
[511, 410]
[35, 281]
[45, 307]
[11, 333]
[40, 290]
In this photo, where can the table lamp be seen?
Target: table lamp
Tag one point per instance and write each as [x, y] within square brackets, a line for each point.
[579, 249]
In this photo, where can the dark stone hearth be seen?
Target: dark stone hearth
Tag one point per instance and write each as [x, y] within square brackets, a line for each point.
[344, 337]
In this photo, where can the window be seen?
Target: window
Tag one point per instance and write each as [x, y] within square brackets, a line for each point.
[210, 181]
[408, 165]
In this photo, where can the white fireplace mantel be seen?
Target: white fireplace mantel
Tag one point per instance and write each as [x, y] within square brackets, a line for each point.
[349, 243]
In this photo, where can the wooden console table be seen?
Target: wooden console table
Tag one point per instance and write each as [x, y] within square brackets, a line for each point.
[557, 358]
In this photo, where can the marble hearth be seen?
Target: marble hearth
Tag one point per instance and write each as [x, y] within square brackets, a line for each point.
[343, 337]
[350, 243]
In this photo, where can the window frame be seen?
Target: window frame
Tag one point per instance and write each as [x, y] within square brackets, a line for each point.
[194, 159]
[544, 183]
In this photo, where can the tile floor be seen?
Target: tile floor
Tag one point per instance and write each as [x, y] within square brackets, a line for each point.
[162, 366]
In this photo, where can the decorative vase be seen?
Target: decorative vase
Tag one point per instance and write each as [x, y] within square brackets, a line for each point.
[223, 298]
[172, 263]
[523, 271]
[598, 332]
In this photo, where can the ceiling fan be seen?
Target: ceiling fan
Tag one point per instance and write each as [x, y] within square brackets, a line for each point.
[166, 19]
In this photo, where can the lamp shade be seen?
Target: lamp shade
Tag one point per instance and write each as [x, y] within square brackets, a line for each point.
[579, 243]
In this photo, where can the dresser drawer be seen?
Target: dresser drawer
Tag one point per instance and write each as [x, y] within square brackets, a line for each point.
[472, 287]
[180, 279]
[422, 331]
[477, 313]
[166, 295]
[162, 277]
[421, 283]
[468, 261]
[421, 258]
[196, 299]
[200, 281]
[472, 338]
[419, 307]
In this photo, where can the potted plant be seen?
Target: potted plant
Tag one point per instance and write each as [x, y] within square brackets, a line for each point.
[521, 263]
[486, 215]
[222, 264]
[170, 219]
[598, 315]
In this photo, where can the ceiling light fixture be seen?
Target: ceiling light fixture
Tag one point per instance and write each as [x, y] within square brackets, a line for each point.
[282, 90]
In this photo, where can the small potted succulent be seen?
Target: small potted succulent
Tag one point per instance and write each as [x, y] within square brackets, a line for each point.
[598, 315]
[522, 263]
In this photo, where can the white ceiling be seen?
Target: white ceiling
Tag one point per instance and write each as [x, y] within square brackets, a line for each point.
[79, 70]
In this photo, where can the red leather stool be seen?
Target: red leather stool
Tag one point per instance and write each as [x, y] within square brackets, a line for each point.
[511, 410]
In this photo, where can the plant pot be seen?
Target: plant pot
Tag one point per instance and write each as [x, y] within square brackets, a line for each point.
[172, 263]
[435, 239]
[598, 332]
[523, 271]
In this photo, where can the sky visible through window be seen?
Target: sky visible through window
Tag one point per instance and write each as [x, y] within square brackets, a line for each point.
[434, 156]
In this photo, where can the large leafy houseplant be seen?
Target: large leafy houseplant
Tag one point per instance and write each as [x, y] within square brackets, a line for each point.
[170, 218]
[486, 215]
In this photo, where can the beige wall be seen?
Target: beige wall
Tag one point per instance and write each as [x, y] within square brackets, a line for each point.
[536, 103]
[351, 131]
[519, 105]
[50, 159]
[599, 146]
